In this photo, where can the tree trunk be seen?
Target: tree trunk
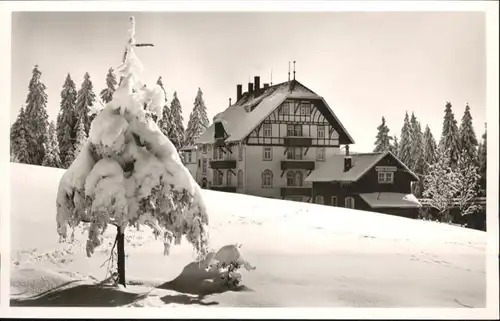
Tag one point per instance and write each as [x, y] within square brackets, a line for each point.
[121, 255]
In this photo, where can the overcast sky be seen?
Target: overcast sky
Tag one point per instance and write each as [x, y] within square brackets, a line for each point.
[366, 65]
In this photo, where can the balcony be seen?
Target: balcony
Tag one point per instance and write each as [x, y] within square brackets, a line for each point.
[297, 141]
[297, 164]
[223, 164]
[296, 191]
[228, 189]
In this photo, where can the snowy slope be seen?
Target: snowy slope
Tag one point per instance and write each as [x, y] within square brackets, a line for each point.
[306, 256]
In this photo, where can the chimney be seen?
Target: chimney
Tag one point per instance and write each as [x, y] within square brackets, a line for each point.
[257, 83]
[239, 92]
[346, 150]
[250, 88]
[347, 163]
[266, 85]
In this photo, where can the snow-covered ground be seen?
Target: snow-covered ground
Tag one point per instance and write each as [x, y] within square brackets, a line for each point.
[306, 255]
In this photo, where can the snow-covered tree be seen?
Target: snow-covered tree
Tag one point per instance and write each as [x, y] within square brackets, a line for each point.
[441, 185]
[51, 158]
[37, 119]
[430, 149]
[382, 140]
[198, 120]
[176, 133]
[482, 163]
[164, 121]
[66, 120]
[394, 148]
[107, 93]
[417, 163]
[450, 136]
[467, 136]
[80, 139]
[85, 101]
[404, 153]
[18, 142]
[128, 171]
[467, 184]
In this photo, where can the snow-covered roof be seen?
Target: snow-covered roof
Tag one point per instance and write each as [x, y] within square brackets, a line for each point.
[188, 148]
[241, 118]
[333, 168]
[378, 200]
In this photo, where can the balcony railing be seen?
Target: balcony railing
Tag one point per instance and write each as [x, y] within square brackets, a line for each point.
[297, 141]
[224, 188]
[223, 164]
[297, 164]
[296, 191]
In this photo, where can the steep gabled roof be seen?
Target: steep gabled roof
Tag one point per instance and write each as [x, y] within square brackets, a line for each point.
[241, 118]
[333, 168]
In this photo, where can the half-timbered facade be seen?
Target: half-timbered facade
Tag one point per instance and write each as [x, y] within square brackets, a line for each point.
[269, 141]
[377, 182]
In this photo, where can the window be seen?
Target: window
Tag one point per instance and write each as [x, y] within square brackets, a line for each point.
[289, 130]
[240, 178]
[285, 108]
[297, 130]
[218, 178]
[229, 179]
[294, 153]
[221, 153]
[298, 179]
[209, 148]
[319, 199]
[240, 153]
[268, 154]
[334, 201]
[290, 179]
[267, 179]
[349, 202]
[321, 132]
[204, 149]
[204, 166]
[268, 130]
[188, 154]
[320, 153]
[385, 177]
[305, 109]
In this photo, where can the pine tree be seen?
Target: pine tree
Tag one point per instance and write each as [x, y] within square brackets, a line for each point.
[395, 145]
[81, 137]
[430, 149]
[467, 136]
[198, 120]
[85, 100]
[404, 153]
[450, 136]
[36, 118]
[467, 184]
[441, 186]
[417, 154]
[66, 119]
[482, 164]
[18, 142]
[176, 133]
[51, 158]
[382, 140]
[164, 122]
[107, 93]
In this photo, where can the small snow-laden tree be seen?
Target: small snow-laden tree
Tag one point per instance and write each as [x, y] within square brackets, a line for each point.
[467, 184]
[394, 147]
[80, 138]
[382, 140]
[128, 171]
[404, 153]
[164, 120]
[176, 133]
[467, 137]
[85, 101]
[441, 186]
[107, 93]
[18, 142]
[51, 158]
[198, 120]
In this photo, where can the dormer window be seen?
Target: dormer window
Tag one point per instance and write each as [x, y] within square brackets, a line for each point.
[386, 177]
